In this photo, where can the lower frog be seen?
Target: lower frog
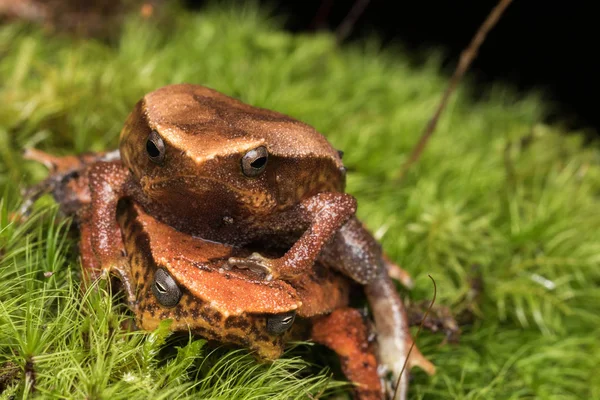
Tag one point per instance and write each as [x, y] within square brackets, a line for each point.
[179, 277]
[174, 275]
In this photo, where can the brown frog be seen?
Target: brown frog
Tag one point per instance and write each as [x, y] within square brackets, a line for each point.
[215, 168]
[180, 277]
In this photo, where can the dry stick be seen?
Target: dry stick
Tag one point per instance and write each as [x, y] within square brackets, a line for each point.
[323, 12]
[416, 336]
[466, 58]
[345, 27]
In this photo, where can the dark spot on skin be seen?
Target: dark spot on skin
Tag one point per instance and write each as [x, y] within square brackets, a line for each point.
[202, 331]
[244, 341]
[217, 316]
[320, 272]
[263, 338]
[151, 308]
[237, 322]
[142, 242]
[211, 316]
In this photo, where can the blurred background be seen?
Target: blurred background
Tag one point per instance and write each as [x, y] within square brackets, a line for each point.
[545, 46]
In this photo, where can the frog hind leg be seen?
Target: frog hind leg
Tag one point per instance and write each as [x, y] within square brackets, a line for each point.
[64, 171]
[393, 336]
[345, 332]
[398, 273]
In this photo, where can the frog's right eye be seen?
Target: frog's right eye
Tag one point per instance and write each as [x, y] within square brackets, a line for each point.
[255, 161]
[279, 323]
[155, 147]
[165, 288]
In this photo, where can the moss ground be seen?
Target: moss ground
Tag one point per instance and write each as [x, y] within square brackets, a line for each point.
[497, 193]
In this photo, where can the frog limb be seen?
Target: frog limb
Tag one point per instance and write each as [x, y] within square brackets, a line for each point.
[62, 171]
[324, 214]
[107, 186]
[397, 273]
[393, 336]
[92, 269]
[344, 331]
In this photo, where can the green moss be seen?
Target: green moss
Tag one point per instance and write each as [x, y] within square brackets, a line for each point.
[495, 189]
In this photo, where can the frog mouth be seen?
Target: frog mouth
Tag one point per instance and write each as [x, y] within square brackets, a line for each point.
[152, 185]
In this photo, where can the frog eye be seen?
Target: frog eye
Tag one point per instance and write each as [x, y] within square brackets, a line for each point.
[255, 161]
[155, 147]
[165, 288]
[277, 324]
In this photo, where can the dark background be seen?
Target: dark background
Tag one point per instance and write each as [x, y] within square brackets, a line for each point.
[545, 45]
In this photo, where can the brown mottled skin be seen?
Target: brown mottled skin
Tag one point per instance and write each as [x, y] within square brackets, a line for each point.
[199, 187]
[229, 306]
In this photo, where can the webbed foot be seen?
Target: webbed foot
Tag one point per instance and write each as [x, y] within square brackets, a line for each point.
[62, 170]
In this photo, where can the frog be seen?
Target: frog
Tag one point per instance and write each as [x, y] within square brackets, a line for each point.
[180, 277]
[215, 168]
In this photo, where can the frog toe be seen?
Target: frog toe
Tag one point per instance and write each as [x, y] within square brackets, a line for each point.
[255, 263]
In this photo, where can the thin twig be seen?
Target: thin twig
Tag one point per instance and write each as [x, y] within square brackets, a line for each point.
[344, 29]
[466, 58]
[323, 12]
[416, 336]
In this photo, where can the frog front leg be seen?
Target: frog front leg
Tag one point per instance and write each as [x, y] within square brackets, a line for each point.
[66, 180]
[91, 267]
[108, 184]
[324, 214]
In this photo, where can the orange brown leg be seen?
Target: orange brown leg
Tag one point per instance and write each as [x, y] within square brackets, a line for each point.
[344, 331]
[64, 180]
[91, 266]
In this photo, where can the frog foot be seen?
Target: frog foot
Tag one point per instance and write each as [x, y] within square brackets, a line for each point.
[255, 263]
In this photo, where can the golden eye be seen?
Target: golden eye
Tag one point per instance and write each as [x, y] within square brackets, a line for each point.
[255, 161]
[155, 147]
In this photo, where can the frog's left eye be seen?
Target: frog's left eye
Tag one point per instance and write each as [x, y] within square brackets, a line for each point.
[277, 324]
[155, 147]
[255, 161]
[165, 288]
